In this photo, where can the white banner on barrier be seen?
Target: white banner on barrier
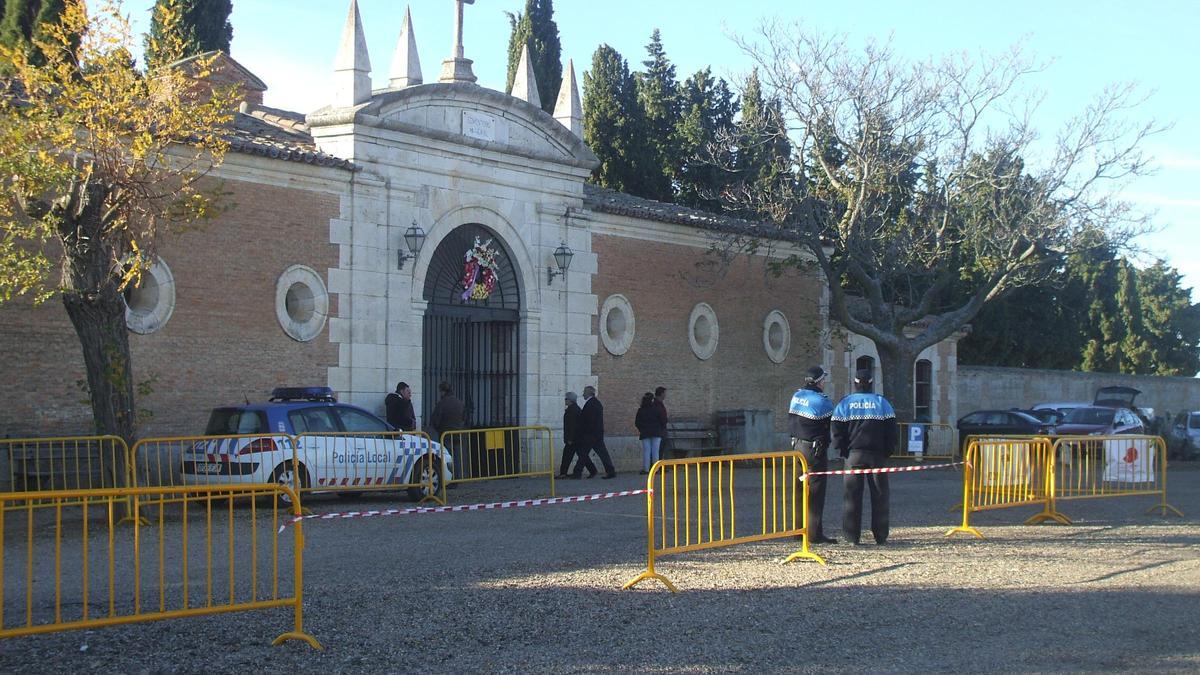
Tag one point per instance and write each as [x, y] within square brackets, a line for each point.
[1129, 461]
[1005, 463]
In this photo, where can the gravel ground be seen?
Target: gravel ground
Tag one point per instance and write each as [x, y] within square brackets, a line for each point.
[538, 590]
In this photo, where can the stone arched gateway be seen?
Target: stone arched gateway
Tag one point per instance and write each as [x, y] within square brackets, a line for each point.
[472, 342]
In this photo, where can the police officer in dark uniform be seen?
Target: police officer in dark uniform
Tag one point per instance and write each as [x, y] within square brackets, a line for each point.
[808, 416]
[864, 430]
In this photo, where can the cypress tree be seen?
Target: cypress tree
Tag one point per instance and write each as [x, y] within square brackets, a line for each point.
[658, 95]
[204, 25]
[536, 28]
[17, 25]
[708, 108]
[764, 154]
[614, 126]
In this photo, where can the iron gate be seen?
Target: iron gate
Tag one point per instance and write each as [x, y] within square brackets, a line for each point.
[472, 344]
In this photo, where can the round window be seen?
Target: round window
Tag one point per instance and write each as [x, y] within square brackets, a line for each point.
[777, 336]
[301, 302]
[616, 324]
[150, 304]
[703, 331]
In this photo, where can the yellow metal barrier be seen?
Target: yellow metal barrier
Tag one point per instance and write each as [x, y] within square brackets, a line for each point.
[940, 441]
[1000, 473]
[222, 555]
[502, 452]
[693, 504]
[1087, 467]
[67, 463]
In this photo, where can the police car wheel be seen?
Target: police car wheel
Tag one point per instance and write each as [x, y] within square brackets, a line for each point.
[419, 475]
[285, 475]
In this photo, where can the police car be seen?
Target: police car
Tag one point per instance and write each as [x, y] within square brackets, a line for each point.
[341, 447]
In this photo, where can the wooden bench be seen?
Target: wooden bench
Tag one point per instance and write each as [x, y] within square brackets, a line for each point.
[691, 438]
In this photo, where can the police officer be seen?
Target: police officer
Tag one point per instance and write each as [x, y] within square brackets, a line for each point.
[808, 417]
[864, 430]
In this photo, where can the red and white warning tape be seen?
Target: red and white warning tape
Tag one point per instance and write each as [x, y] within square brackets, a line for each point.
[465, 507]
[886, 469]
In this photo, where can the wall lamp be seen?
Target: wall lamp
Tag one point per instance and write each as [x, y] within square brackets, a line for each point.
[562, 258]
[415, 238]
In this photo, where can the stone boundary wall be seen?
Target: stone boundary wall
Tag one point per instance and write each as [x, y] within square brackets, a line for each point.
[984, 387]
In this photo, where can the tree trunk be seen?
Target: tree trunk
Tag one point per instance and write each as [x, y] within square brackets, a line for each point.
[93, 301]
[99, 322]
[897, 369]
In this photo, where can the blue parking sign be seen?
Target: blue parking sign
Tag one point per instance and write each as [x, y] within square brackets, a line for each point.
[916, 439]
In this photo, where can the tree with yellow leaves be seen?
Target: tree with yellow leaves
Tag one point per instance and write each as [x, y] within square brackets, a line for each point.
[97, 159]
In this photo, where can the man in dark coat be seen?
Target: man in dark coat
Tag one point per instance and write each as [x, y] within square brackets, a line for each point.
[570, 427]
[447, 414]
[864, 429]
[400, 408]
[808, 416]
[590, 436]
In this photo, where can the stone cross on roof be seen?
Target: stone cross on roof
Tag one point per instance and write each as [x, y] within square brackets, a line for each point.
[457, 68]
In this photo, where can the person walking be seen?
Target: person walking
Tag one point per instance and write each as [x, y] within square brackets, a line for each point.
[864, 430]
[570, 427]
[649, 423]
[589, 436]
[809, 417]
[400, 408]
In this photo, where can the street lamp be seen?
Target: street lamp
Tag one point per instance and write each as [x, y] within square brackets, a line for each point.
[562, 258]
[415, 238]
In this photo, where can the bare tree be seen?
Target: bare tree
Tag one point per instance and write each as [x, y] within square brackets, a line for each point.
[913, 177]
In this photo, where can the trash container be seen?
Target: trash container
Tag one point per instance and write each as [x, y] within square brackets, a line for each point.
[746, 431]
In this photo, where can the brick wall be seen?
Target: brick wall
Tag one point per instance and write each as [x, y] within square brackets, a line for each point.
[222, 343]
[663, 283]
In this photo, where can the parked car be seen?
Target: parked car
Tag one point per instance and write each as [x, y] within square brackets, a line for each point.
[998, 423]
[1047, 416]
[1063, 407]
[1097, 420]
[338, 447]
[1183, 436]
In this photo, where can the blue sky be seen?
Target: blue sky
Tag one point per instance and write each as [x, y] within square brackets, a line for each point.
[291, 44]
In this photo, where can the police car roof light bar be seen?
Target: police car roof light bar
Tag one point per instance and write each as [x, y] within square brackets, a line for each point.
[303, 394]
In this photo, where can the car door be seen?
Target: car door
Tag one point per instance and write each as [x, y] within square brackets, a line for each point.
[319, 447]
[372, 445]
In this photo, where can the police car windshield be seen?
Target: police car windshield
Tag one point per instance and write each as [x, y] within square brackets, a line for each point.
[1090, 416]
[230, 421]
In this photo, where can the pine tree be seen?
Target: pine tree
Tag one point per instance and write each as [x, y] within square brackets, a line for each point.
[658, 95]
[614, 126]
[708, 107]
[204, 27]
[536, 28]
[21, 22]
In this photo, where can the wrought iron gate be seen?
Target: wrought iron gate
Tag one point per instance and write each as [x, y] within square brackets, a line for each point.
[472, 344]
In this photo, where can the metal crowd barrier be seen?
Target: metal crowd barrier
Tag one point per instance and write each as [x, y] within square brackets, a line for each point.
[502, 452]
[1087, 467]
[940, 441]
[1000, 473]
[222, 556]
[1004, 472]
[68, 463]
[693, 504]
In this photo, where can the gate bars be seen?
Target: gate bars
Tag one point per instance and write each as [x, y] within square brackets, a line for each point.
[692, 505]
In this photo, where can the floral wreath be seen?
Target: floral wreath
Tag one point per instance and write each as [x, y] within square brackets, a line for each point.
[479, 271]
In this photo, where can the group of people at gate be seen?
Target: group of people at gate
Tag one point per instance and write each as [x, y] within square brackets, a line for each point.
[583, 432]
